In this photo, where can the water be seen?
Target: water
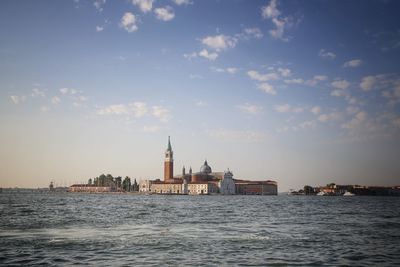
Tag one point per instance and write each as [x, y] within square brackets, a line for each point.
[103, 230]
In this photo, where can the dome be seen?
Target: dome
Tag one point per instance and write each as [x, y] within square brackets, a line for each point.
[205, 168]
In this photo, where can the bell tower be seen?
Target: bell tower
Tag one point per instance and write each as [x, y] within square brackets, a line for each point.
[169, 163]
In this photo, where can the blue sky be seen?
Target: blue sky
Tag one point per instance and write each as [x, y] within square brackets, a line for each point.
[302, 92]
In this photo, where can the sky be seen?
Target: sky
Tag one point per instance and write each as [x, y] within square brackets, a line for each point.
[300, 92]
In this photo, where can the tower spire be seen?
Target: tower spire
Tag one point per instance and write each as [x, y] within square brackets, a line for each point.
[169, 144]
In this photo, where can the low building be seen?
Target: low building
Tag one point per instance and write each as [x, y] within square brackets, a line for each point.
[144, 186]
[161, 187]
[245, 187]
[86, 188]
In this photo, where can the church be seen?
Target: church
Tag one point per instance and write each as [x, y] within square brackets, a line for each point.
[204, 182]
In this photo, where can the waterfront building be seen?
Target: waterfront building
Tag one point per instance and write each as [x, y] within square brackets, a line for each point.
[204, 182]
[86, 188]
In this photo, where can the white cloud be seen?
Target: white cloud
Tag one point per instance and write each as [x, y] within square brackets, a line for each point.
[144, 5]
[17, 99]
[99, 28]
[164, 13]
[284, 72]
[352, 63]
[139, 109]
[182, 2]
[316, 110]
[161, 113]
[352, 109]
[308, 125]
[328, 117]
[201, 104]
[316, 79]
[272, 13]
[326, 54]
[195, 76]
[64, 91]
[250, 109]
[285, 108]
[230, 70]
[294, 81]
[255, 75]
[338, 93]
[356, 122]
[237, 135]
[190, 56]
[267, 88]
[367, 82]
[128, 22]
[98, 4]
[120, 109]
[340, 84]
[253, 32]
[55, 100]
[219, 42]
[151, 129]
[396, 122]
[210, 56]
[37, 92]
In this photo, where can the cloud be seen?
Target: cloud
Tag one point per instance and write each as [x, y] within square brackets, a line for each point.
[55, 100]
[358, 119]
[151, 129]
[328, 117]
[294, 81]
[190, 56]
[250, 109]
[267, 88]
[99, 28]
[144, 5]
[128, 22]
[316, 79]
[210, 56]
[338, 93]
[253, 32]
[230, 70]
[272, 13]
[161, 113]
[326, 54]
[164, 13]
[284, 72]
[17, 99]
[182, 2]
[340, 84]
[255, 75]
[367, 83]
[195, 76]
[316, 110]
[219, 42]
[352, 63]
[98, 4]
[120, 109]
[285, 108]
[238, 135]
[201, 104]
[37, 92]
[271, 10]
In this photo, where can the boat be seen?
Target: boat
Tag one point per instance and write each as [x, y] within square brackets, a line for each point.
[348, 194]
[321, 193]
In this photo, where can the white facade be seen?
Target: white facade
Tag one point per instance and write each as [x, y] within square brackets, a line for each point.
[227, 185]
[144, 186]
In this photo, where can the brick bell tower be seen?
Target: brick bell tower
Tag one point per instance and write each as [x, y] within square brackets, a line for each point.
[169, 163]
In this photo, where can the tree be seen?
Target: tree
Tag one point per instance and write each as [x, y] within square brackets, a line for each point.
[126, 184]
[135, 186]
[90, 181]
[308, 190]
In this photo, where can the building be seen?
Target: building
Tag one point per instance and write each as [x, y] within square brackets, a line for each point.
[86, 188]
[204, 182]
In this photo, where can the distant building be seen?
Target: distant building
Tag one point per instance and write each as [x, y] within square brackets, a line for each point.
[203, 182]
[86, 188]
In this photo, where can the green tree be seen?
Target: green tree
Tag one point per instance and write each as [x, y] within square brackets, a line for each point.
[90, 181]
[308, 190]
[126, 184]
[118, 182]
[135, 186]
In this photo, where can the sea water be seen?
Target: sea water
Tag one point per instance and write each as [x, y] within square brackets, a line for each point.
[38, 228]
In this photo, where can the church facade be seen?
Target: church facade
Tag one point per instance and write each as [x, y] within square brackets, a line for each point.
[203, 182]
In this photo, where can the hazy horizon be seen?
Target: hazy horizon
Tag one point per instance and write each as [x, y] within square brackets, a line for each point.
[299, 92]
